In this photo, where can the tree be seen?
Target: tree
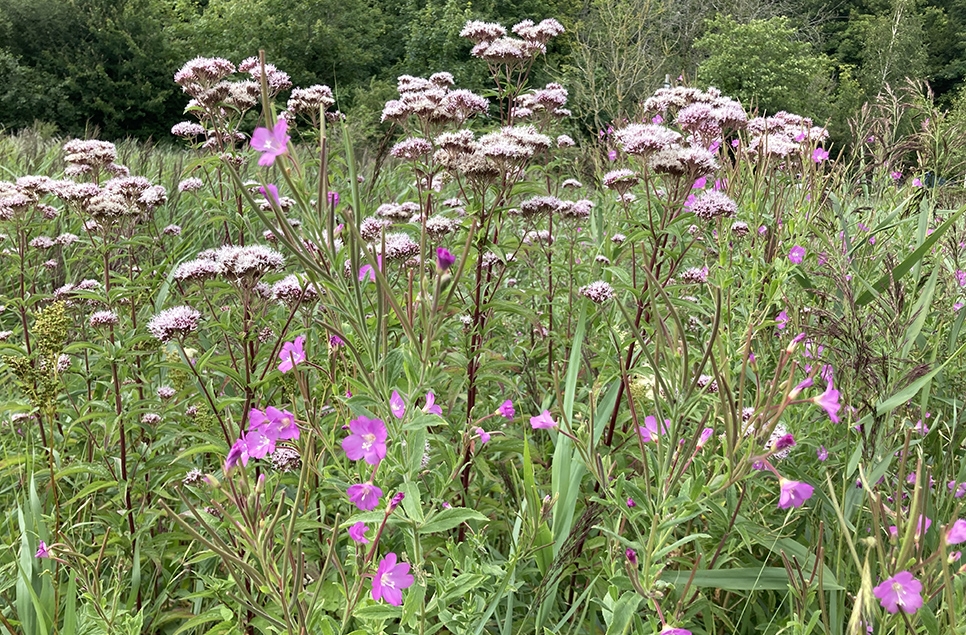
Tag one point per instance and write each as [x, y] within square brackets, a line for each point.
[764, 64]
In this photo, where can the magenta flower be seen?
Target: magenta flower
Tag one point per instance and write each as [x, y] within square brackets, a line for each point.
[822, 453]
[483, 434]
[706, 435]
[956, 533]
[506, 410]
[915, 183]
[631, 556]
[390, 580]
[783, 442]
[292, 353]
[630, 502]
[922, 527]
[237, 454]
[667, 630]
[830, 401]
[42, 550]
[366, 271]
[431, 406]
[367, 441]
[270, 192]
[543, 421]
[612, 155]
[895, 175]
[649, 431]
[901, 591]
[793, 494]
[397, 405]
[444, 258]
[271, 143]
[365, 496]
[819, 155]
[781, 321]
[797, 254]
[358, 533]
[333, 199]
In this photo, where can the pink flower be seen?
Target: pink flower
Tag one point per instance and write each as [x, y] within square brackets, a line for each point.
[822, 453]
[895, 175]
[612, 155]
[390, 580]
[270, 192]
[657, 119]
[396, 405]
[271, 143]
[237, 453]
[506, 410]
[444, 258]
[367, 441]
[483, 434]
[921, 528]
[365, 496]
[431, 407]
[781, 321]
[649, 431]
[358, 533]
[797, 254]
[830, 401]
[631, 502]
[793, 493]
[819, 155]
[292, 353]
[956, 533]
[916, 183]
[543, 421]
[667, 630]
[901, 591]
[705, 437]
[42, 550]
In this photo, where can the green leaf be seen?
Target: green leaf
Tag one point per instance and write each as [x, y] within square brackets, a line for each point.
[741, 579]
[624, 610]
[449, 519]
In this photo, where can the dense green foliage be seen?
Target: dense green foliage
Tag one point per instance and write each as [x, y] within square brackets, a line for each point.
[106, 65]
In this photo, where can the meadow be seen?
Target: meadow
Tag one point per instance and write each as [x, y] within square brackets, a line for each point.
[699, 375]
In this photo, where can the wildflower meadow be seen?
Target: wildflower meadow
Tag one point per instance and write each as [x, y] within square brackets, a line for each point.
[700, 374]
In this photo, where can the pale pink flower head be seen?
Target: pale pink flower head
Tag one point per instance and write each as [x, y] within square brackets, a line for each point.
[650, 432]
[367, 441]
[956, 533]
[271, 143]
[901, 591]
[797, 254]
[793, 493]
[365, 496]
[397, 405]
[431, 406]
[830, 401]
[390, 579]
[292, 353]
[358, 533]
[543, 421]
[506, 410]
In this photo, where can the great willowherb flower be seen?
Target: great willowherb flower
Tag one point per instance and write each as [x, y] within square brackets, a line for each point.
[272, 143]
[631, 556]
[292, 353]
[956, 533]
[506, 410]
[830, 401]
[396, 405]
[365, 496]
[793, 493]
[367, 441]
[822, 453]
[358, 533]
[650, 432]
[444, 259]
[483, 434]
[237, 454]
[901, 591]
[797, 254]
[669, 630]
[819, 155]
[543, 421]
[42, 550]
[390, 579]
[431, 406]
